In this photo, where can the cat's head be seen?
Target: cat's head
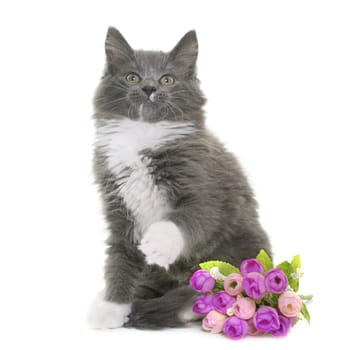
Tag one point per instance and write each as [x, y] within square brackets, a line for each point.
[150, 85]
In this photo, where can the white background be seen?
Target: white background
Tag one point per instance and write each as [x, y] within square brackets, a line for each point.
[277, 78]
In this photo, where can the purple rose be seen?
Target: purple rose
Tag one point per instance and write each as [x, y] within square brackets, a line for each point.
[222, 301]
[276, 281]
[235, 328]
[254, 285]
[201, 281]
[266, 319]
[202, 304]
[285, 325]
[251, 265]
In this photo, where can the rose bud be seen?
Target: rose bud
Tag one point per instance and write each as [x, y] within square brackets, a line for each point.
[235, 328]
[222, 301]
[252, 329]
[266, 319]
[213, 322]
[289, 304]
[202, 304]
[285, 325]
[251, 265]
[276, 281]
[233, 284]
[201, 281]
[244, 308]
[254, 285]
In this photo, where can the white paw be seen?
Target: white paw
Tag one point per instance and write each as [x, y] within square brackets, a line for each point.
[106, 315]
[162, 243]
[187, 315]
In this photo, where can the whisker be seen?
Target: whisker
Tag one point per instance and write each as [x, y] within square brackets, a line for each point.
[185, 92]
[116, 100]
[174, 107]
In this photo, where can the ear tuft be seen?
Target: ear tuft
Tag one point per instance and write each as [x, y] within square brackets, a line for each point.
[118, 51]
[184, 54]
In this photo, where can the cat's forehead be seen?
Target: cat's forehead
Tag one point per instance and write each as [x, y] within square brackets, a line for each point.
[150, 62]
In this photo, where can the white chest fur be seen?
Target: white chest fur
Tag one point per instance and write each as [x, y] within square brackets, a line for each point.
[122, 142]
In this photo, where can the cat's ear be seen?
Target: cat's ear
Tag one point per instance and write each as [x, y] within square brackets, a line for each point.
[184, 55]
[118, 51]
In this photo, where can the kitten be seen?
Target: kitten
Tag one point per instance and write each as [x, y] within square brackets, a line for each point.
[173, 196]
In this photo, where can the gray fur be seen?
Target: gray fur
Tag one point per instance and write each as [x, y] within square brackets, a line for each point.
[210, 197]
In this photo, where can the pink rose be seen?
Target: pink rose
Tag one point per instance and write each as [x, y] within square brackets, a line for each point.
[213, 322]
[289, 304]
[252, 329]
[233, 284]
[244, 308]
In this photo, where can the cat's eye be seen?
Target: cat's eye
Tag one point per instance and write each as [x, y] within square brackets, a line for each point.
[167, 80]
[133, 78]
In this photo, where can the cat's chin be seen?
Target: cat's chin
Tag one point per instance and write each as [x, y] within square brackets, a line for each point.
[149, 111]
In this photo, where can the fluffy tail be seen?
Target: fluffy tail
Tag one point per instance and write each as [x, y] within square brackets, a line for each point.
[169, 310]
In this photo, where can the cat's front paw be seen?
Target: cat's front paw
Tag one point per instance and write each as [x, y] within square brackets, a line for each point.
[107, 315]
[162, 243]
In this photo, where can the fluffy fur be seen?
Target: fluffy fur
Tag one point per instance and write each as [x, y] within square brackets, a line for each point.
[173, 195]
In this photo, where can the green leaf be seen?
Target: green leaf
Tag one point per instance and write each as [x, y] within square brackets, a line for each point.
[306, 298]
[265, 260]
[305, 313]
[224, 267]
[294, 283]
[271, 299]
[299, 318]
[219, 285]
[286, 267]
[296, 263]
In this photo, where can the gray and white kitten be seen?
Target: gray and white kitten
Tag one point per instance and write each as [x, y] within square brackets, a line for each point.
[173, 196]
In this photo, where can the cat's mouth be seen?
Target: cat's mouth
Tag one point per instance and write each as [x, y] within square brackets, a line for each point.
[150, 99]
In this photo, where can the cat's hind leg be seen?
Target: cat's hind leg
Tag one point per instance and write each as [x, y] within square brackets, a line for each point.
[153, 282]
[170, 310]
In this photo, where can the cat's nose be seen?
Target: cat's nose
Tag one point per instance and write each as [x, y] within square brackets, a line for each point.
[148, 90]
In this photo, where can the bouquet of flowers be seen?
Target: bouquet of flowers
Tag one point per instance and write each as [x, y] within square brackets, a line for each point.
[255, 299]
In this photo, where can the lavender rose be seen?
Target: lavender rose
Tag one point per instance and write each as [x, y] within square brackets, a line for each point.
[233, 284]
[285, 325]
[251, 265]
[276, 281]
[222, 301]
[214, 322]
[266, 319]
[254, 285]
[201, 281]
[202, 304]
[235, 328]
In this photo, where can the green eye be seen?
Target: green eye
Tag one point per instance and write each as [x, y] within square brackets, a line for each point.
[167, 80]
[133, 78]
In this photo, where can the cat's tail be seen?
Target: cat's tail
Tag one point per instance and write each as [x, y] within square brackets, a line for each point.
[173, 309]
